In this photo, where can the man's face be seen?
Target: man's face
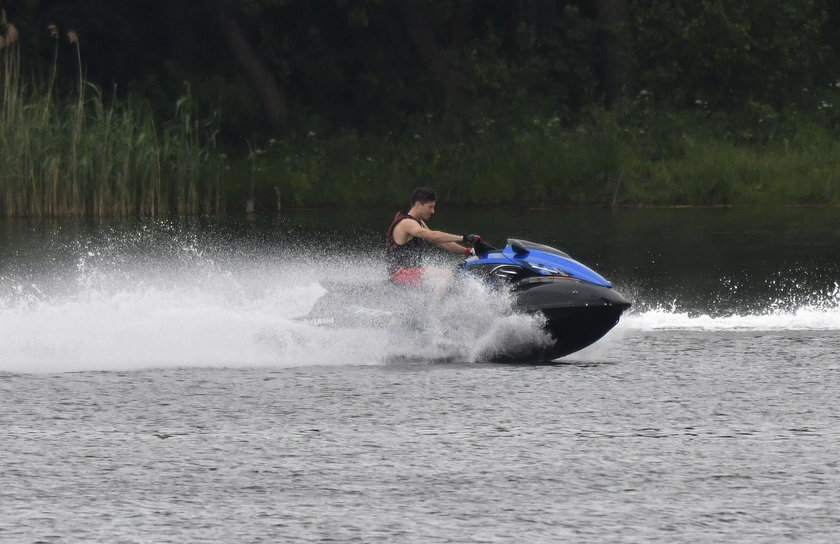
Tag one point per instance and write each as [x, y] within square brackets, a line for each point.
[426, 210]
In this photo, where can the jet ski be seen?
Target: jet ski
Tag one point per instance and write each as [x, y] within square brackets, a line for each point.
[575, 305]
[579, 306]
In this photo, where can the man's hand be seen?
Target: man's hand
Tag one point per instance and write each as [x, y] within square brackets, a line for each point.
[472, 239]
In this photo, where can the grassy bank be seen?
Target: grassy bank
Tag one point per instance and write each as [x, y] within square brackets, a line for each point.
[606, 160]
[83, 154]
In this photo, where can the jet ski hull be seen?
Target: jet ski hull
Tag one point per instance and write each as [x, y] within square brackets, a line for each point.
[576, 313]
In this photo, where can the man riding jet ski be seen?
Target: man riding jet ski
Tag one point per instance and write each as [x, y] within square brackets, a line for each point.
[406, 240]
[576, 305]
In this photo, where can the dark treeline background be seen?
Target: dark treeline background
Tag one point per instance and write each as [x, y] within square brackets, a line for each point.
[316, 101]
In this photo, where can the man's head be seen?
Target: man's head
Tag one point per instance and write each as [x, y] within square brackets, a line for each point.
[423, 203]
[423, 195]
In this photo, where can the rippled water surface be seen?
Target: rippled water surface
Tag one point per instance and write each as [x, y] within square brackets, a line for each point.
[155, 387]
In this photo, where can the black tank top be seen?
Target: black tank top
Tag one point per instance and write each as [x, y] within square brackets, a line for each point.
[407, 255]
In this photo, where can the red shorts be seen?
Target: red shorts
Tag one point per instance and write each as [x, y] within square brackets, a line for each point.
[408, 276]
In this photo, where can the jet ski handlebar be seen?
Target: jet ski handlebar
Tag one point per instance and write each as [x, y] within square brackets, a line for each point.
[482, 248]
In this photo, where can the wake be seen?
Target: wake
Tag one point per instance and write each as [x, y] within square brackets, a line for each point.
[169, 300]
[164, 298]
[793, 310]
[818, 319]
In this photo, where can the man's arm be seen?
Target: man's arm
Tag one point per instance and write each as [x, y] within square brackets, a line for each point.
[437, 237]
[452, 246]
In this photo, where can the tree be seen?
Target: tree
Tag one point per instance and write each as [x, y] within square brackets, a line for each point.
[730, 55]
[616, 56]
[441, 60]
[271, 92]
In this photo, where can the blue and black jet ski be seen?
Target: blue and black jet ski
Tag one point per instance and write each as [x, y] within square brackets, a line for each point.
[578, 304]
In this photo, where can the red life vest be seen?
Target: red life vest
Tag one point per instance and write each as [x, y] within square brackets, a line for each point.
[407, 255]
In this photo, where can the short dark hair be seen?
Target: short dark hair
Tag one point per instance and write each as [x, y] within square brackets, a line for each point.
[423, 195]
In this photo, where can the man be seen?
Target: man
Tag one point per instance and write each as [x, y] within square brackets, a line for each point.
[407, 239]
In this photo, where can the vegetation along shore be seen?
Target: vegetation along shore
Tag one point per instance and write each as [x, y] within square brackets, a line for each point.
[265, 105]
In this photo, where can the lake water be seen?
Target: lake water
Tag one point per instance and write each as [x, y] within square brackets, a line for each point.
[155, 387]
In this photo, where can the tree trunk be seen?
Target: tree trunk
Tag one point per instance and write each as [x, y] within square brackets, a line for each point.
[532, 23]
[616, 50]
[270, 91]
[441, 62]
[8, 32]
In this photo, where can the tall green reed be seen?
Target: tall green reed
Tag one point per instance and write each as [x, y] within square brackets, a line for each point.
[84, 155]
